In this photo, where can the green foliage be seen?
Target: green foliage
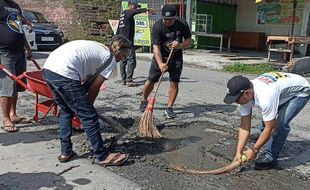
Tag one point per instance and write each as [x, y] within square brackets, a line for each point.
[247, 68]
[103, 10]
[82, 35]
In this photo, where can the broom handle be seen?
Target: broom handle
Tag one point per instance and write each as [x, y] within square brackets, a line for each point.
[162, 74]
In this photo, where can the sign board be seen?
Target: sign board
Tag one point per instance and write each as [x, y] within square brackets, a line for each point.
[142, 26]
[114, 25]
[279, 12]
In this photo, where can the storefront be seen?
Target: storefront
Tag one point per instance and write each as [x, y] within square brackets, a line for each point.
[274, 17]
[246, 19]
[242, 18]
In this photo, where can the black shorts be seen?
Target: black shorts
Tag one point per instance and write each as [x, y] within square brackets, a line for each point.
[174, 70]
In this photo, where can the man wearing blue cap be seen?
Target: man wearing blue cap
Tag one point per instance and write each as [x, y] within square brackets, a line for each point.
[168, 32]
[280, 96]
[126, 28]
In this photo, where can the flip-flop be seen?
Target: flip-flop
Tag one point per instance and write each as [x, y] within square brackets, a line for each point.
[112, 163]
[22, 120]
[67, 158]
[13, 129]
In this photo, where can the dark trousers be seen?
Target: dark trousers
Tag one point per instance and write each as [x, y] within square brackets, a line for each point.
[130, 63]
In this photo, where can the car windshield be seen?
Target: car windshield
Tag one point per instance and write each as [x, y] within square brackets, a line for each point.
[36, 17]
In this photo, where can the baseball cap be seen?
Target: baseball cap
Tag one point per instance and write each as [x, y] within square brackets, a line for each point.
[134, 2]
[169, 11]
[235, 87]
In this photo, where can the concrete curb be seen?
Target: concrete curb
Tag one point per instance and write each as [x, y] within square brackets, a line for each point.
[215, 60]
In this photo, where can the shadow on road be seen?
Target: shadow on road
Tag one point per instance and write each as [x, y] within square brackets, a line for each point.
[8, 139]
[200, 109]
[17, 180]
[295, 153]
[40, 55]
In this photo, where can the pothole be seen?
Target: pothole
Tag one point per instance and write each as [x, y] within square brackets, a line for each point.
[197, 145]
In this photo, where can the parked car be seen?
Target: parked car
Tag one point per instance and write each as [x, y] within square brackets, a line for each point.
[43, 33]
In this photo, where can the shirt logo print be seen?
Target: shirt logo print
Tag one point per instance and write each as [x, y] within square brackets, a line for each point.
[14, 21]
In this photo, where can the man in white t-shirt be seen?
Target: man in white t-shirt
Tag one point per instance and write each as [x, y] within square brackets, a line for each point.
[280, 96]
[65, 71]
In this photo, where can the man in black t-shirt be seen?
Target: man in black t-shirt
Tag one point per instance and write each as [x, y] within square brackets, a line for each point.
[169, 32]
[126, 28]
[12, 56]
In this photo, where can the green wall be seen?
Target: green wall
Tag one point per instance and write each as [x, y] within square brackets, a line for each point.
[224, 20]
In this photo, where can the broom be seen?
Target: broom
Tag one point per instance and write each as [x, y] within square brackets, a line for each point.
[147, 127]
[222, 170]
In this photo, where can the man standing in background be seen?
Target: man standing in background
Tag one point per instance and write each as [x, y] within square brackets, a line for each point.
[126, 28]
[13, 44]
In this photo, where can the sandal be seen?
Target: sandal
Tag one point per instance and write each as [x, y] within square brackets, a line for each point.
[64, 159]
[114, 159]
[9, 129]
[21, 120]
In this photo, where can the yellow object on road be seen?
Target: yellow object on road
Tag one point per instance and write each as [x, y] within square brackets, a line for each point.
[244, 158]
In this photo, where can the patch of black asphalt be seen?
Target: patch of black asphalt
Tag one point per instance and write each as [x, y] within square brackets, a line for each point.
[196, 145]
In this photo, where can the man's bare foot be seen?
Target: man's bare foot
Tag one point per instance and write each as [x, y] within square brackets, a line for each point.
[8, 126]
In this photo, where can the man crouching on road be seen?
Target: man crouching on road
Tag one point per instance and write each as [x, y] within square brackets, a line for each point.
[280, 96]
[64, 70]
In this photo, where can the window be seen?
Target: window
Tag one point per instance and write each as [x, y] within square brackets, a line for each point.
[202, 23]
[36, 17]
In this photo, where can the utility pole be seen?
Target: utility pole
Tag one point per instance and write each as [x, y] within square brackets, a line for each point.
[293, 20]
[189, 12]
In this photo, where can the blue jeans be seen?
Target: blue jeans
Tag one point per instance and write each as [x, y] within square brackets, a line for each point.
[72, 98]
[130, 62]
[286, 113]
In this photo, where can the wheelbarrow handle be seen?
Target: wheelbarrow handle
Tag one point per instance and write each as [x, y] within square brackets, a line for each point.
[17, 79]
[35, 63]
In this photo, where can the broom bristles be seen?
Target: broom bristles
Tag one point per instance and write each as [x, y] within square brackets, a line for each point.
[147, 127]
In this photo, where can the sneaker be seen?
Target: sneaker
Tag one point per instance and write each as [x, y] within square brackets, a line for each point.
[143, 105]
[170, 113]
[132, 83]
[123, 82]
[265, 163]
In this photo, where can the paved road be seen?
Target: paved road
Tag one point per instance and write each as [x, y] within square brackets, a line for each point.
[28, 159]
